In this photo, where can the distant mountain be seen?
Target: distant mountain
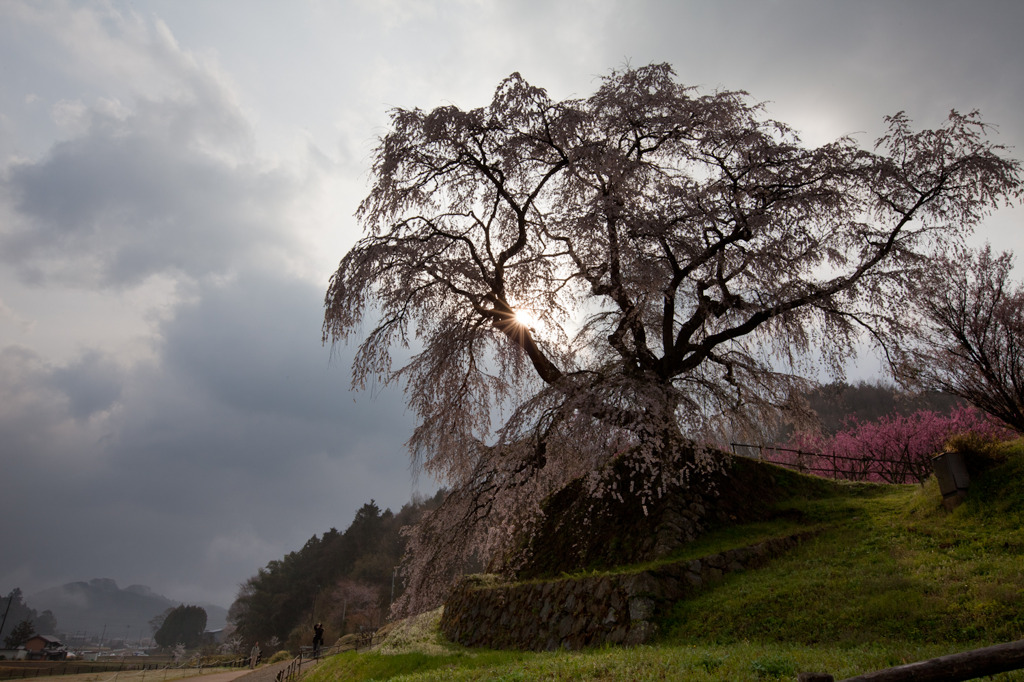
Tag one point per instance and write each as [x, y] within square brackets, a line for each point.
[216, 616]
[98, 605]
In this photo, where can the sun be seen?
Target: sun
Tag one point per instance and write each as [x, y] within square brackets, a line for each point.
[525, 318]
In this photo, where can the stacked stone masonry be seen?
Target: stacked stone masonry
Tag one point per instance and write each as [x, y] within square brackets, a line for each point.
[589, 611]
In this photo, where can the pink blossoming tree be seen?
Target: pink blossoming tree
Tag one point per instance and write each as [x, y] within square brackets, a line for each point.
[893, 449]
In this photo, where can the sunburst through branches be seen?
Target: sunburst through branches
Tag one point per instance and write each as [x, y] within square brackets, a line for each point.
[525, 318]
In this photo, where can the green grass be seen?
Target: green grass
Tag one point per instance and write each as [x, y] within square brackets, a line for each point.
[888, 570]
[732, 537]
[890, 578]
[702, 663]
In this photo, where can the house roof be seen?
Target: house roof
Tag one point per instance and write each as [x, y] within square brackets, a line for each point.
[47, 639]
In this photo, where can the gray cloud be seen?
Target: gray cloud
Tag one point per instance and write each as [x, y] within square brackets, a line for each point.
[255, 346]
[143, 195]
[235, 446]
[92, 384]
[232, 438]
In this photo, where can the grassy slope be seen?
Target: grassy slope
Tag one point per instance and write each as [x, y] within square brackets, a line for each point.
[892, 579]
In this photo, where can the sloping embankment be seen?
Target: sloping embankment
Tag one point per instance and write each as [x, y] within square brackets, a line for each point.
[577, 612]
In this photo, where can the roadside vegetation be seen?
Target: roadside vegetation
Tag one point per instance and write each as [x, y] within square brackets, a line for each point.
[891, 578]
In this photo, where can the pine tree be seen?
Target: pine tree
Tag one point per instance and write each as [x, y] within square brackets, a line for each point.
[21, 633]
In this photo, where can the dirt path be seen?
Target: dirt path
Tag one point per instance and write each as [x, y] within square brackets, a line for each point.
[225, 676]
[266, 673]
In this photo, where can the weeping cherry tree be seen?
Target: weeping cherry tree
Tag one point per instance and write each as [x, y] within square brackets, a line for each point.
[626, 272]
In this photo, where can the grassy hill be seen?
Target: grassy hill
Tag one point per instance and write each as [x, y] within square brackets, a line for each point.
[890, 578]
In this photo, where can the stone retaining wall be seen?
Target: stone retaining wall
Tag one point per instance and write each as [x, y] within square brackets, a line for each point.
[589, 611]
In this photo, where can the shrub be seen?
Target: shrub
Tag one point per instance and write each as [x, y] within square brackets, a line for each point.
[980, 451]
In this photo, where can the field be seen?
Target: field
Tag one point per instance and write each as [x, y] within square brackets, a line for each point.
[102, 675]
[891, 578]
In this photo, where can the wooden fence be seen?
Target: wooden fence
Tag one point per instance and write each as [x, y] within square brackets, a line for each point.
[307, 654]
[838, 466]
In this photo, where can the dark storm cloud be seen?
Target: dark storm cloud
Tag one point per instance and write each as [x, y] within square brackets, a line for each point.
[255, 346]
[230, 438]
[234, 447]
[91, 383]
[31, 402]
[845, 64]
[53, 415]
[252, 347]
[148, 192]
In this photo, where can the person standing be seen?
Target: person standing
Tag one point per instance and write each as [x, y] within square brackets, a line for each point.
[318, 638]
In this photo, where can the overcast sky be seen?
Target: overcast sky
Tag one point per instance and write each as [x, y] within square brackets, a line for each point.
[177, 183]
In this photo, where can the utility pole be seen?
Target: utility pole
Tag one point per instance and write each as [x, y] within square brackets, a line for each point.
[10, 598]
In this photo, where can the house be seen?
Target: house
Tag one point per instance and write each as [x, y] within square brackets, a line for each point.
[214, 636]
[45, 648]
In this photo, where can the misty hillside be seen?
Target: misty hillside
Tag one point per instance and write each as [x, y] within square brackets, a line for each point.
[100, 604]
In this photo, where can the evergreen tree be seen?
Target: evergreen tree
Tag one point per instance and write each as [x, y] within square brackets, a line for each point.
[21, 633]
[303, 587]
[183, 625]
[16, 610]
[46, 624]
